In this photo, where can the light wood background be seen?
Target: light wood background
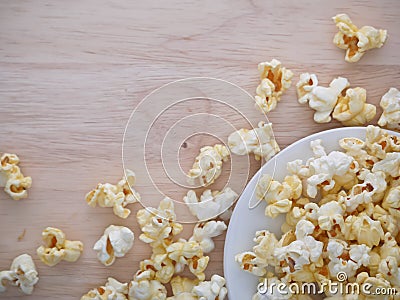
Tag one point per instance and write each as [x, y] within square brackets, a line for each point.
[72, 71]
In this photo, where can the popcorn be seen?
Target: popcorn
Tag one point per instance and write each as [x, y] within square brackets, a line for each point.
[390, 164]
[112, 290]
[22, 273]
[379, 142]
[352, 109]
[115, 242]
[11, 178]
[191, 254]
[208, 165]
[211, 290]
[389, 248]
[146, 290]
[356, 148]
[390, 270]
[374, 282]
[159, 266]
[272, 291]
[390, 104]
[57, 248]
[158, 225]
[116, 196]
[211, 203]
[388, 222]
[364, 230]
[391, 202]
[305, 86]
[275, 79]
[356, 41]
[328, 215]
[204, 232]
[183, 286]
[259, 141]
[323, 99]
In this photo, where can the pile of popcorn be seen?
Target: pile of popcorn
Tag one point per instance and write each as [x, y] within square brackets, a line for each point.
[342, 216]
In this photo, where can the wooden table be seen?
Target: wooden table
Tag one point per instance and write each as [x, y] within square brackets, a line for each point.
[71, 73]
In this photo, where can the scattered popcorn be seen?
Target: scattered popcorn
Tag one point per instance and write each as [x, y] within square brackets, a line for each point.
[390, 104]
[22, 273]
[356, 41]
[352, 109]
[275, 79]
[259, 141]
[305, 87]
[208, 165]
[115, 242]
[204, 232]
[116, 196]
[211, 203]
[159, 267]
[112, 290]
[183, 286]
[11, 178]
[211, 290]
[379, 142]
[57, 248]
[158, 225]
[146, 290]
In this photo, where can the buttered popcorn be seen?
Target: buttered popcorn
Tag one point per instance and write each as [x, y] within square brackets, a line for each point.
[260, 141]
[15, 184]
[356, 41]
[275, 79]
[342, 216]
[116, 196]
[390, 104]
[57, 248]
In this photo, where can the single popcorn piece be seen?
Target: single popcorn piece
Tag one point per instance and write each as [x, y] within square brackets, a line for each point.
[389, 248]
[22, 274]
[11, 178]
[260, 141]
[211, 203]
[391, 202]
[356, 41]
[390, 164]
[390, 104]
[116, 196]
[364, 230]
[305, 87]
[211, 290]
[159, 225]
[112, 290]
[115, 242]
[388, 267]
[379, 142]
[57, 248]
[352, 109]
[146, 290]
[159, 267]
[208, 165]
[182, 288]
[205, 231]
[275, 79]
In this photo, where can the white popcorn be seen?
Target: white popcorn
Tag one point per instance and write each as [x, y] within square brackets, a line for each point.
[211, 203]
[116, 196]
[112, 290]
[305, 86]
[158, 225]
[260, 141]
[115, 242]
[324, 99]
[328, 215]
[248, 262]
[208, 165]
[390, 164]
[390, 104]
[146, 290]
[182, 288]
[275, 79]
[391, 202]
[390, 248]
[356, 148]
[22, 273]
[211, 290]
[356, 41]
[388, 221]
[352, 109]
[57, 248]
[377, 283]
[204, 232]
[390, 270]
[11, 178]
[379, 142]
[159, 267]
[364, 230]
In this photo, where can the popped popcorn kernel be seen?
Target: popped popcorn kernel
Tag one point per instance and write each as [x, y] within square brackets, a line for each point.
[146, 290]
[205, 231]
[115, 242]
[352, 109]
[112, 290]
[208, 165]
[390, 104]
[259, 141]
[15, 184]
[354, 40]
[305, 86]
[22, 274]
[57, 248]
[275, 79]
[211, 290]
[116, 196]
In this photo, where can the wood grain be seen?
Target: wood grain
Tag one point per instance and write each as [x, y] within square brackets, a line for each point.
[72, 71]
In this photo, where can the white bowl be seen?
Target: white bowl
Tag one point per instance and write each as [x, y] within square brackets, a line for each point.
[245, 222]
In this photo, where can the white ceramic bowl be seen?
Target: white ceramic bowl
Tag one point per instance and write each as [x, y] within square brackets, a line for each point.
[245, 222]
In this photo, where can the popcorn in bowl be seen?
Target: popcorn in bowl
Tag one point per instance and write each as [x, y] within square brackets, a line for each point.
[337, 224]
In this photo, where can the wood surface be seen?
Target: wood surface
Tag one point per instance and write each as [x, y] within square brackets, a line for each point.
[71, 72]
